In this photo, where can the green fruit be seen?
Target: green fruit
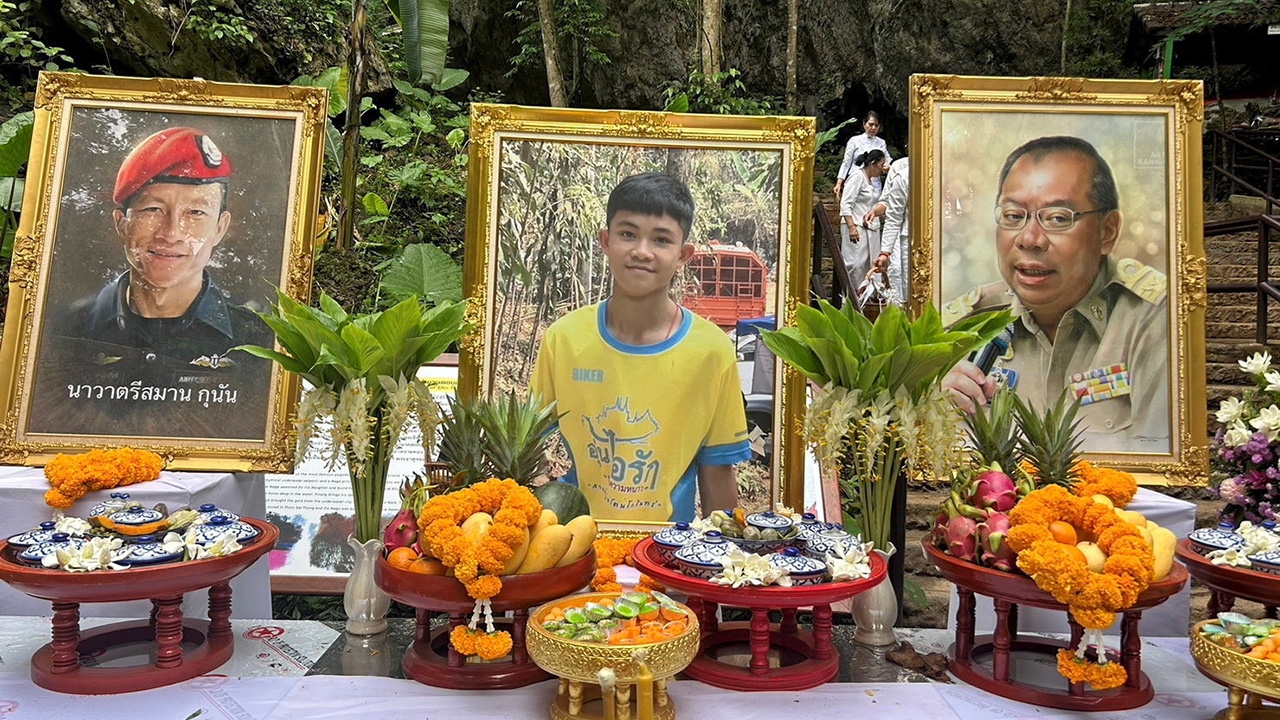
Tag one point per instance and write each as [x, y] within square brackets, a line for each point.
[567, 501]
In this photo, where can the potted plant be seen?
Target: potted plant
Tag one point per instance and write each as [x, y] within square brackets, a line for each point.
[879, 411]
[361, 373]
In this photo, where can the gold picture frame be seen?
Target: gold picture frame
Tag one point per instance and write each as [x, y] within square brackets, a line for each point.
[963, 129]
[506, 138]
[68, 383]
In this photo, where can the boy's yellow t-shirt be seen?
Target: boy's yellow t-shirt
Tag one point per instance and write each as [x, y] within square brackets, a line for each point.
[639, 419]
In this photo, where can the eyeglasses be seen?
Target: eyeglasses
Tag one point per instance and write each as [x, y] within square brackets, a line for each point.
[1050, 219]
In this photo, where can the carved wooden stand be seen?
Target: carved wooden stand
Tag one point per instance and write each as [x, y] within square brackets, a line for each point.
[431, 660]
[1008, 591]
[806, 659]
[1228, 583]
[59, 666]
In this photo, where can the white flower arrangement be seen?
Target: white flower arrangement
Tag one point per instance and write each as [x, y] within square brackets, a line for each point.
[854, 565]
[73, 526]
[744, 568]
[99, 553]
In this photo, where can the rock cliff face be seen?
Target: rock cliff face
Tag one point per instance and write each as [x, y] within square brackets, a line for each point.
[854, 54]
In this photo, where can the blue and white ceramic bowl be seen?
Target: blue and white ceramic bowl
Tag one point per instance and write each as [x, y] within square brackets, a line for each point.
[803, 570]
[209, 511]
[219, 525]
[118, 501]
[146, 550]
[58, 541]
[1206, 540]
[701, 559]
[137, 515]
[668, 540]
[769, 520]
[41, 534]
[810, 525]
[830, 542]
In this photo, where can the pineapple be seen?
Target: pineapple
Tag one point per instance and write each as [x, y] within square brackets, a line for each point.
[462, 443]
[994, 434]
[516, 433]
[502, 436]
[1051, 442]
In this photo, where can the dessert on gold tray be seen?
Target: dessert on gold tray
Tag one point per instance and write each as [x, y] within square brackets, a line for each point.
[613, 653]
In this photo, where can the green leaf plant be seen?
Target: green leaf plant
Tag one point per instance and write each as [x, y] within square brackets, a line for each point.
[361, 373]
[880, 410]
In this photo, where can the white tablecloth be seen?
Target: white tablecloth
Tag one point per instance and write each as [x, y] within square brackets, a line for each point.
[22, 494]
[1170, 619]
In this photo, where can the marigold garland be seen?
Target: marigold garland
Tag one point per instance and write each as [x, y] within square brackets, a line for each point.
[1099, 677]
[1092, 598]
[73, 476]
[1118, 485]
[477, 566]
[611, 552]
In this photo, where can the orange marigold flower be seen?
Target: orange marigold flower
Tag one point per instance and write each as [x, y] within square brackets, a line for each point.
[71, 476]
[484, 587]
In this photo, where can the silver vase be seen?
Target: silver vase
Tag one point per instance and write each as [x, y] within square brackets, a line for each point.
[366, 604]
[876, 610]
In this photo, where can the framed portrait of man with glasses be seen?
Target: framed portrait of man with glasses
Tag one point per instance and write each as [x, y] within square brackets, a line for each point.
[1076, 205]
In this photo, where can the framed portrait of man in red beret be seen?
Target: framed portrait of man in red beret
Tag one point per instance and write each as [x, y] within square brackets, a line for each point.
[158, 219]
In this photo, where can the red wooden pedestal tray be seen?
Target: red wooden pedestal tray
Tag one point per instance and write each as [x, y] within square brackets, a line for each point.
[57, 666]
[813, 659]
[1229, 583]
[431, 660]
[1008, 591]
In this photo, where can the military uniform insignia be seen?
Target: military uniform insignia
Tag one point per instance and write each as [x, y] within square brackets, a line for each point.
[209, 152]
[1007, 378]
[1100, 384]
[960, 307]
[1142, 280]
[105, 359]
[213, 362]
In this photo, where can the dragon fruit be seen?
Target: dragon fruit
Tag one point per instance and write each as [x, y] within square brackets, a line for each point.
[961, 538]
[995, 490]
[402, 531]
[996, 553]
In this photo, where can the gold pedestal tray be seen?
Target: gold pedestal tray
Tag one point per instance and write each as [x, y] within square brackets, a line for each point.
[592, 707]
[1248, 680]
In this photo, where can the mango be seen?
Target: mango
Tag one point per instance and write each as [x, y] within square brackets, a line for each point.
[545, 549]
[518, 557]
[584, 531]
[1093, 555]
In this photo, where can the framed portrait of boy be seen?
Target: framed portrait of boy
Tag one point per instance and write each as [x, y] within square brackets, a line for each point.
[541, 238]
[1077, 205]
[159, 216]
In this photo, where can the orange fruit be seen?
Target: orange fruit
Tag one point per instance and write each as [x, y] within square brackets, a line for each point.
[1063, 532]
[423, 566]
[401, 558]
[1075, 554]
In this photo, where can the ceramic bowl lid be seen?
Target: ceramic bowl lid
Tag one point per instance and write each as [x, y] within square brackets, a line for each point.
[770, 520]
[118, 501]
[136, 516]
[146, 550]
[791, 560]
[58, 541]
[705, 552]
[209, 511]
[831, 542]
[34, 537]
[1217, 538]
[677, 535]
[208, 533]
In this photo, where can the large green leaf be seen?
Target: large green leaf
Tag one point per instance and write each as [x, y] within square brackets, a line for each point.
[394, 328]
[889, 330]
[844, 328]
[425, 31]
[814, 324]
[332, 308]
[793, 351]
[15, 143]
[366, 351]
[286, 362]
[425, 271]
[294, 342]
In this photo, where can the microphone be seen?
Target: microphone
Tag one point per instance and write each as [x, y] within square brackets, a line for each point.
[985, 358]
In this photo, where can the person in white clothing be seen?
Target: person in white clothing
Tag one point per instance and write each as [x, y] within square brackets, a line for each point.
[860, 240]
[865, 142]
[894, 243]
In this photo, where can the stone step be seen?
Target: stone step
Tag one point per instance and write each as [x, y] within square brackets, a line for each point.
[1242, 330]
[1244, 312]
[1229, 350]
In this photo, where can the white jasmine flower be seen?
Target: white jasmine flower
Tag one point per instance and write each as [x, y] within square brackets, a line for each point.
[743, 568]
[73, 526]
[1273, 380]
[1256, 364]
[1268, 421]
[1238, 434]
[1230, 410]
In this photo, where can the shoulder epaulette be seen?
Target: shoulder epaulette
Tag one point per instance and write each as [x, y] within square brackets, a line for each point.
[1142, 280]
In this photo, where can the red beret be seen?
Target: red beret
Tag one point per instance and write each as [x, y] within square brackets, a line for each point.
[178, 154]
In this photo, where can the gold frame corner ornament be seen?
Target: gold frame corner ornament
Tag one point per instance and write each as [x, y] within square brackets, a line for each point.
[1182, 102]
[56, 94]
[492, 124]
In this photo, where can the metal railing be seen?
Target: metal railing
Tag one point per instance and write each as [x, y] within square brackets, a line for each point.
[1263, 288]
[826, 242]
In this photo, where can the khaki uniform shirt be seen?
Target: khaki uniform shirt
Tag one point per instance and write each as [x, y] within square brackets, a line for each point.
[1112, 349]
